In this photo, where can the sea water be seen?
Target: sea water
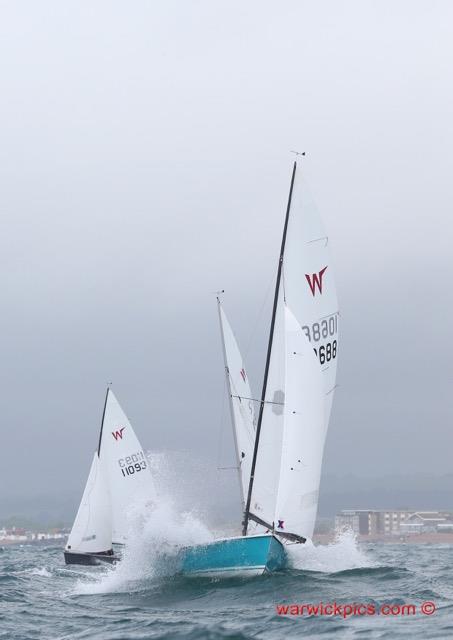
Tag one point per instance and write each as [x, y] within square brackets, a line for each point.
[141, 597]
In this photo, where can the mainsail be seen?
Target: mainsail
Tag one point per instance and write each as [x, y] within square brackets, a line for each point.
[309, 286]
[92, 528]
[241, 402]
[299, 378]
[302, 446]
[125, 466]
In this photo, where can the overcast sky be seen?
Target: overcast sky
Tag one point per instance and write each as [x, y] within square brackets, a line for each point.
[144, 164]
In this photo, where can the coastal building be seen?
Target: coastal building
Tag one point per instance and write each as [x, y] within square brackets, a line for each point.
[16, 535]
[388, 522]
[427, 522]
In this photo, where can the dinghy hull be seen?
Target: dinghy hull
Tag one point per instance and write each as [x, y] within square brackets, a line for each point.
[236, 557]
[89, 559]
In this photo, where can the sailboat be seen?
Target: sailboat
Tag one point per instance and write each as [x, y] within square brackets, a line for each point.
[119, 477]
[282, 472]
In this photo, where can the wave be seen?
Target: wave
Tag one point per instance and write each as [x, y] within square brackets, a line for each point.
[343, 554]
[40, 571]
[156, 533]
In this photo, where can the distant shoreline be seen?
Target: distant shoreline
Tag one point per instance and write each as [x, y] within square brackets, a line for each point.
[418, 538]
[8, 543]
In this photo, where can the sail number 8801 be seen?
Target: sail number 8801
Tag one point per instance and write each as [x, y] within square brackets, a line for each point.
[327, 327]
[327, 352]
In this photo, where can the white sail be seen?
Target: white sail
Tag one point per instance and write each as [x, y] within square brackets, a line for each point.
[267, 468]
[302, 448]
[309, 286]
[92, 528]
[285, 491]
[126, 467]
[242, 405]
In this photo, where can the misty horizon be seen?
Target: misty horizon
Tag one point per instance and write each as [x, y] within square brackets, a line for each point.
[140, 175]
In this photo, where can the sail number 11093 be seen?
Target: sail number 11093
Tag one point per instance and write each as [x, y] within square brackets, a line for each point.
[134, 463]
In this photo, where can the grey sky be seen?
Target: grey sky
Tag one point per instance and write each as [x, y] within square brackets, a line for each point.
[144, 164]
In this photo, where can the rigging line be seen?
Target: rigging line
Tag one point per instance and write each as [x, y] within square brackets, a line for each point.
[268, 357]
[257, 400]
[258, 317]
[103, 417]
[283, 283]
[221, 424]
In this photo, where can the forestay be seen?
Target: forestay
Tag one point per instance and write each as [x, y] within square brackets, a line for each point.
[126, 467]
[92, 528]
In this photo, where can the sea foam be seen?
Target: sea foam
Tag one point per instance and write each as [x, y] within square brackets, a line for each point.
[157, 530]
[340, 555]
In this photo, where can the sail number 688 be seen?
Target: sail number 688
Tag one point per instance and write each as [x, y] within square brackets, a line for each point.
[327, 352]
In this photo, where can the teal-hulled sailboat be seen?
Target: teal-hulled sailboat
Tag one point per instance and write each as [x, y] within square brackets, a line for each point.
[279, 461]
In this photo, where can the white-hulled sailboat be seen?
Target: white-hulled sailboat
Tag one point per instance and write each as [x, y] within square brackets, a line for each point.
[295, 404]
[119, 477]
[90, 540]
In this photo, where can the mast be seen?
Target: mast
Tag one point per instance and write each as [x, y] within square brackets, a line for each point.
[230, 395]
[268, 357]
[102, 422]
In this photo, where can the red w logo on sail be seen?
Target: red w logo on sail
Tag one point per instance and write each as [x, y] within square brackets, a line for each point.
[118, 433]
[315, 280]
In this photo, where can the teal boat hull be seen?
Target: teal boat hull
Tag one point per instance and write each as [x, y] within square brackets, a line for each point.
[236, 557]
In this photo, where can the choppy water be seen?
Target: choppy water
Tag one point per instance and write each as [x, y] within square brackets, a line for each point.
[42, 598]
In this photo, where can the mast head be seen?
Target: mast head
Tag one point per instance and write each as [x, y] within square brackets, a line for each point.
[218, 294]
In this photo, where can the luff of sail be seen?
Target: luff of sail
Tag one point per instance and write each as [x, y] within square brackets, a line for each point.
[125, 465]
[241, 403]
[92, 528]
